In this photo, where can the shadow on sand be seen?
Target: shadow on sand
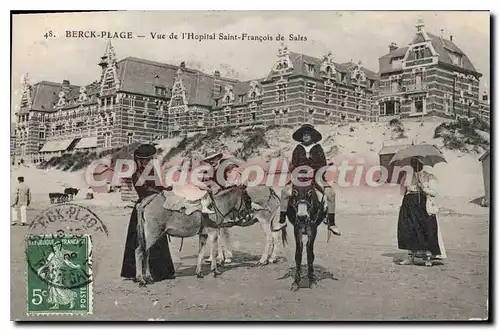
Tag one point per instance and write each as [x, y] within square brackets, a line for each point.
[239, 260]
[400, 256]
[320, 272]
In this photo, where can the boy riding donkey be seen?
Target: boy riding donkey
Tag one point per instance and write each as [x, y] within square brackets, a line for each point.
[309, 153]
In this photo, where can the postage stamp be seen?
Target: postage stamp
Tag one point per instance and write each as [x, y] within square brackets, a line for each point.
[59, 274]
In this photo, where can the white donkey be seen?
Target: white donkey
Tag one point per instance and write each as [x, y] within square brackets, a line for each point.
[265, 210]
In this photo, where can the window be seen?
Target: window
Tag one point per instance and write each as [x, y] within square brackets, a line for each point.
[107, 139]
[241, 98]
[418, 80]
[343, 77]
[253, 95]
[41, 135]
[419, 105]
[216, 102]
[397, 63]
[177, 102]
[310, 91]
[469, 88]
[160, 91]
[447, 105]
[227, 119]
[456, 59]
[310, 68]
[130, 138]
[254, 116]
[281, 92]
[419, 52]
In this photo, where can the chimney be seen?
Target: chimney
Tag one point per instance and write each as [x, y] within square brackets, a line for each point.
[183, 65]
[393, 46]
[217, 73]
[451, 37]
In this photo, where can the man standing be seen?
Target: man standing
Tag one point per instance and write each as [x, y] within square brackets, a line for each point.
[310, 153]
[22, 201]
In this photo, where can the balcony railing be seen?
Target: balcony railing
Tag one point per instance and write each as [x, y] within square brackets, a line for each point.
[390, 90]
[416, 88]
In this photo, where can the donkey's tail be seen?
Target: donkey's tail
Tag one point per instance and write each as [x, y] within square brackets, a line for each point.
[284, 236]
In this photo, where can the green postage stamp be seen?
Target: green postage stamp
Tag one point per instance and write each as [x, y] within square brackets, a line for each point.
[59, 274]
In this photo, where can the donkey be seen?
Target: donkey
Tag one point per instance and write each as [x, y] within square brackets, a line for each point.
[231, 205]
[305, 211]
[265, 210]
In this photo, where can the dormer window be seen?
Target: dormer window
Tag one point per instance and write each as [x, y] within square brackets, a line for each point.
[160, 91]
[343, 77]
[253, 95]
[419, 52]
[310, 68]
[456, 59]
[241, 98]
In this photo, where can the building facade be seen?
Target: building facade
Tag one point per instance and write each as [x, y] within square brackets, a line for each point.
[142, 100]
[430, 76]
[137, 100]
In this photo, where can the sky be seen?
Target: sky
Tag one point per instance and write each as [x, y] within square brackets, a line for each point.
[357, 36]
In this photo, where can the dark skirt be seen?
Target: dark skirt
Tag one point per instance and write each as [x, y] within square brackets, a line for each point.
[160, 261]
[417, 230]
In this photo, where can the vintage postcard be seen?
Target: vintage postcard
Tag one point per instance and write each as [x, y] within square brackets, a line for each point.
[250, 166]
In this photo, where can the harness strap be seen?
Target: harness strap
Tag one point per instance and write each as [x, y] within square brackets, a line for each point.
[219, 214]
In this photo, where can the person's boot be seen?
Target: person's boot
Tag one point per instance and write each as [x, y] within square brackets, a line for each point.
[283, 217]
[331, 223]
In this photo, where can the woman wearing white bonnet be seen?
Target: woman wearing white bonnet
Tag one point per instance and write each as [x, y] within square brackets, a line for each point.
[430, 186]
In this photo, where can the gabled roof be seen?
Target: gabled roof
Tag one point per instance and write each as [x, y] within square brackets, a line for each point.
[444, 47]
[141, 76]
[300, 60]
[44, 95]
[441, 45]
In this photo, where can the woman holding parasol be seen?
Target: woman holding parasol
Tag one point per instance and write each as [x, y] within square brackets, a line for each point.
[418, 231]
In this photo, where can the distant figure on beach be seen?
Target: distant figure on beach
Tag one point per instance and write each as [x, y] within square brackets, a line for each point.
[90, 194]
[21, 202]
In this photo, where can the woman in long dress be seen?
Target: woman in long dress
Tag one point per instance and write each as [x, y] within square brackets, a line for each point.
[160, 260]
[418, 231]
